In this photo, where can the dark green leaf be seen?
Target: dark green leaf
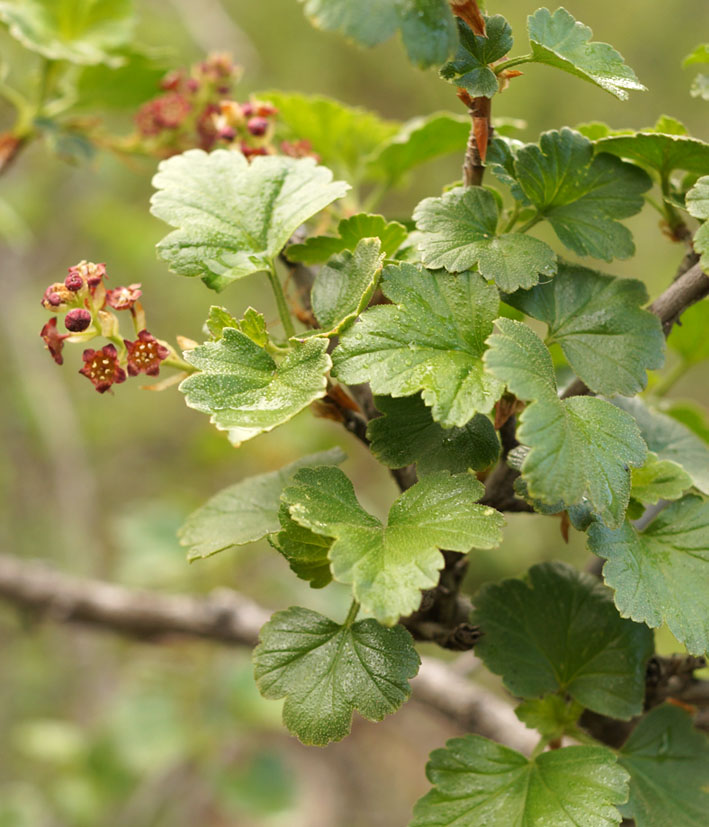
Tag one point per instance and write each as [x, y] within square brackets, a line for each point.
[305, 551]
[325, 671]
[459, 231]
[388, 566]
[470, 68]
[246, 391]
[480, 783]
[598, 320]
[320, 248]
[661, 574]
[233, 217]
[580, 448]
[662, 153]
[563, 42]
[244, 512]
[668, 762]
[406, 433]
[581, 195]
[558, 631]
[430, 339]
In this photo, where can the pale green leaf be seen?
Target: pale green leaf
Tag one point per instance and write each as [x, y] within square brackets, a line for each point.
[581, 195]
[671, 440]
[244, 512]
[700, 87]
[698, 205]
[561, 41]
[342, 136]
[700, 54]
[459, 231]
[217, 320]
[80, 31]
[325, 671]
[690, 414]
[598, 320]
[580, 447]
[573, 640]
[305, 551]
[344, 286]
[427, 26]
[419, 140]
[431, 339]
[243, 388]
[470, 67]
[479, 783]
[318, 249]
[662, 573]
[406, 433]
[659, 479]
[234, 217]
[552, 716]
[388, 566]
[668, 762]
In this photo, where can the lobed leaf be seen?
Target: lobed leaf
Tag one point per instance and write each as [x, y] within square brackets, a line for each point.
[243, 388]
[580, 448]
[389, 565]
[459, 231]
[561, 41]
[479, 782]
[305, 551]
[598, 320]
[406, 433]
[431, 339]
[325, 671]
[661, 574]
[244, 512]
[581, 195]
[571, 636]
[659, 479]
[659, 152]
[470, 68]
[318, 249]
[234, 217]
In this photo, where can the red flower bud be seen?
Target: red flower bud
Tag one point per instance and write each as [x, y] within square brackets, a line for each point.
[88, 270]
[102, 369]
[54, 340]
[145, 354]
[257, 126]
[57, 297]
[77, 320]
[74, 282]
[248, 109]
[123, 298]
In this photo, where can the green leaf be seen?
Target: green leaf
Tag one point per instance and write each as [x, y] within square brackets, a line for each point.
[342, 136]
[700, 87]
[427, 26]
[690, 414]
[668, 762]
[698, 205]
[126, 86]
[581, 195]
[80, 31]
[479, 782]
[318, 249]
[419, 140]
[659, 152]
[580, 448]
[661, 574]
[459, 231]
[244, 512]
[563, 42]
[670, 439]
[690, 339]
[234, 217]
[430, 339]
[598, 320]
[552, 716]
[659, 479]
[252, 325]
[700, 54]
[246, 391]
[344, 286]
[325, 671]
[217, 320]
[406, 433]
[470, 68]
[389, 565]
[305, 551]
[573, 640]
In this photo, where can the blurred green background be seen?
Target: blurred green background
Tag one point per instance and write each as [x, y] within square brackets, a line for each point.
[100, 732]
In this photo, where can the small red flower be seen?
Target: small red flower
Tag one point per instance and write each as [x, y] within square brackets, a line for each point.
[88, 270]
[77, 320]
[54, 340]
[145, 354]
[299, 149]
[102, 368]
[257, 126]
[123, 298]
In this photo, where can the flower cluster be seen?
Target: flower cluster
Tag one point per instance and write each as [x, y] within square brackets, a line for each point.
[197, 109]
[83, 299]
